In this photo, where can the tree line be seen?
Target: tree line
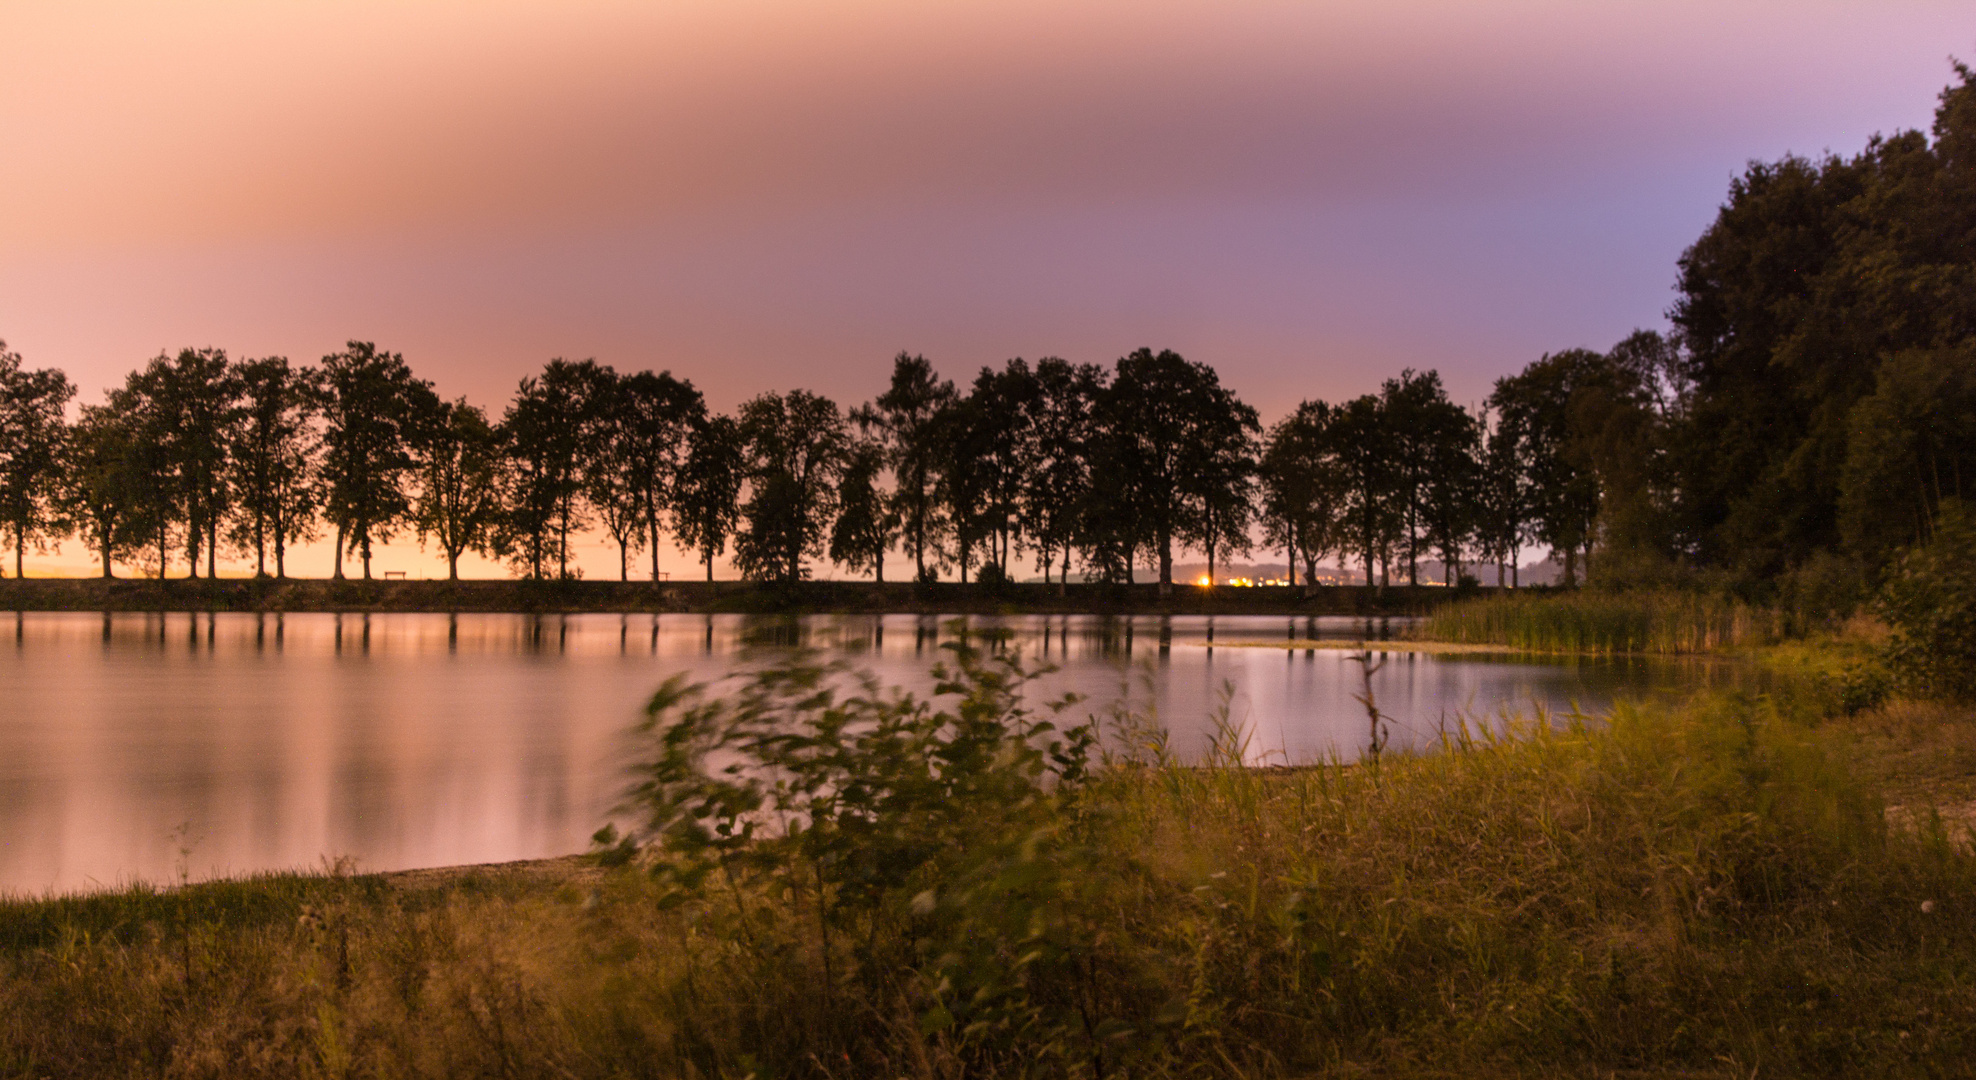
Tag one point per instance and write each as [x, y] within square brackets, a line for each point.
[1071, 466]
[1813, 407]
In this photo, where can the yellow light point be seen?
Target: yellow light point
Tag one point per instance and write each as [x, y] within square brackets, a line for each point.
[1204, 581]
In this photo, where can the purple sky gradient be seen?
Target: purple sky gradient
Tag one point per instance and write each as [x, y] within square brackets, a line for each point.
[771, 195]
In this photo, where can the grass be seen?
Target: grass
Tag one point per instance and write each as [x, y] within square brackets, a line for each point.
[1703, 890]
[1587, 621]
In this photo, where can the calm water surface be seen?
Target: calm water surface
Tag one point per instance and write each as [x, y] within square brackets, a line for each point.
[150, 746]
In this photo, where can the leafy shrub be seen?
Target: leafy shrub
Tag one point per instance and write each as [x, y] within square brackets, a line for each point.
[934, 852]
[1929, 600]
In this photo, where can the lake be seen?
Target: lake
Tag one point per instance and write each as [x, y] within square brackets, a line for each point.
[155, 747]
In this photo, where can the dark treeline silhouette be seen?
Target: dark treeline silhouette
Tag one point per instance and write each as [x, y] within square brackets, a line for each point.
[1813, 406]
[1073, 467]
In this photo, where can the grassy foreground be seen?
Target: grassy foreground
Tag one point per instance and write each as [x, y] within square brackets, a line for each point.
[1708, 890]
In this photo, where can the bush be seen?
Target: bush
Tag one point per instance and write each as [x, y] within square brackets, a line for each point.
[1929, 600]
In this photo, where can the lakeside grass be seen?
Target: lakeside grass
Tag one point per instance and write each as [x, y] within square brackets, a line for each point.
[1589, 621]
[1704, 890]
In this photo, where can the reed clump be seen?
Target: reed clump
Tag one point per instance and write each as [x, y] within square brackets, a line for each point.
[967, 886]
[1667, 622]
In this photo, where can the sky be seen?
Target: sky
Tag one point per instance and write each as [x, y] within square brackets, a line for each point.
[766, 195]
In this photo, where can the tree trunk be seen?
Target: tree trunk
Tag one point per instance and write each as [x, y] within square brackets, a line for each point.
[652, 523]
[453, 564]
[1570, 566]
[213, 546]
[1166, 563]
[710, 566]
[624, 560]
[20, 553]
[340, 549]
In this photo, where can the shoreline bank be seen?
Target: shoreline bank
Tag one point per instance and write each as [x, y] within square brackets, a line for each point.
[719, 597]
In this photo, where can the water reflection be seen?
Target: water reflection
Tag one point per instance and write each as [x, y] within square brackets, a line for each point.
[415, 740]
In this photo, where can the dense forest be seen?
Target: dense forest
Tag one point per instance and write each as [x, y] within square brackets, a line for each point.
[1810, 409]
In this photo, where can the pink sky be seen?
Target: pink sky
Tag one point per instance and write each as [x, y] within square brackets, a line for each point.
[766, 195]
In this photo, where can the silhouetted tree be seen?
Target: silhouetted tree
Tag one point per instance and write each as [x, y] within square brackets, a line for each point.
[964, 474]
[373, 413]
[642, 432]
[1427, 433]
[32, 433]
[909, 413]
[1301, 488]
[100, 487]
[546, 436]
[1504, 496]
[796, 444]
[272, 467]
[1056, 489]
[459, 499]
[866, 521]
[1003, 406]
[1450, 497]
[1372, 519]
[1222, 475]
[1172, 422]
[706, 495]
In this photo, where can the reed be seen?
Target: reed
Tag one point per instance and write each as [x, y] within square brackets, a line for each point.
[1588, 621]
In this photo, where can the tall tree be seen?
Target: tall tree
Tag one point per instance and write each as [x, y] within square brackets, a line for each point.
[1913, 445]
[1450, 497]
[1429, 435]
[1505, 498]
[374, 412]
[547, 434]
[706, 494]
[1056, 489]
[866, 522]
[1003, 410]
[32, 434]
[1171, 419]
[1301, 488]
[910, 413]
[964, 476]
[459, 497]
[190, 404]
[100, 487]
[796, 444]
[150, 403]
[614, 485]
[641, 443]
[1813, 275]
[1564, 497]
[1361, 440]
[272, 467]
[1223, 475]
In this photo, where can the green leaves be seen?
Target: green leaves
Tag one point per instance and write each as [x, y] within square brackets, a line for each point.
[1930, 601]
[929, 846]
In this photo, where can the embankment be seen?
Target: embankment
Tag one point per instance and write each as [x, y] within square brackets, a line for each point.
[238, 594]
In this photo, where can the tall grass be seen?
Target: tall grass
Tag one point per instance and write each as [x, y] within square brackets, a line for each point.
[1604, 622]
[1700, 890]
